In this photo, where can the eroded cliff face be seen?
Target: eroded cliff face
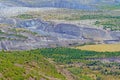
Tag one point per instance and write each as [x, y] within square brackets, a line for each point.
[27, 34]
[69, 30]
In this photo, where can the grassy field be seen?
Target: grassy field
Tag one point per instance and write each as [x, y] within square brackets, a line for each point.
[101, 47]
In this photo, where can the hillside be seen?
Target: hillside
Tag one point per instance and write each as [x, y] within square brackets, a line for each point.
[59, 40]
[86, 65]
[25, 65]
[59, 64]
[26, 34]
[31, 28]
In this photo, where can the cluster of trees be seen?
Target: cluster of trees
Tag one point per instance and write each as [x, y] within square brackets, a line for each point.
[112, 25]
[91, 65]
[25, 16]
[68, 55]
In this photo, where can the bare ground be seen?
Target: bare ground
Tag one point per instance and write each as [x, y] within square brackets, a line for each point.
[62, 70]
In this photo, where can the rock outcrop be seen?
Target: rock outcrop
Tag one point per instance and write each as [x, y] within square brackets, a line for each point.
[69, 30]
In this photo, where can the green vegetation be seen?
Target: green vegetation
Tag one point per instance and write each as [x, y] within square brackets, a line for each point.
[100, 16]
[68, 55]
[108, 19]
[86, 65]
[110, 7]
[36, 64]
[25, 16]
[112, 25]
[24, 65]
[1, 32]
[16, 34]
[1, 37]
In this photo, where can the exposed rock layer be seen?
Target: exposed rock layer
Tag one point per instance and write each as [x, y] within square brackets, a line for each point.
[50, 34]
